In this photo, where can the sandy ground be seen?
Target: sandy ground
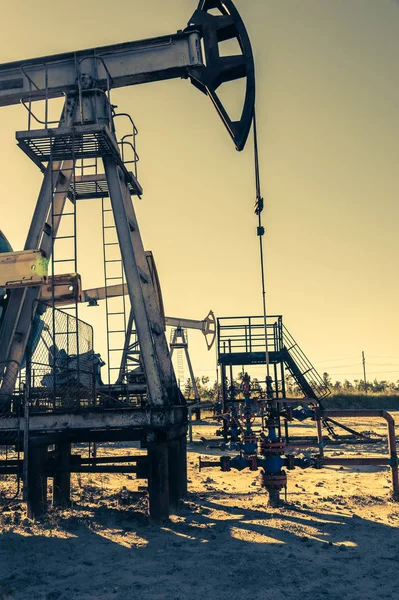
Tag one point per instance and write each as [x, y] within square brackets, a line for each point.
[336, 538]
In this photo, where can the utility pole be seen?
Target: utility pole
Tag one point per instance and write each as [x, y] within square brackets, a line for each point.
[364, 371]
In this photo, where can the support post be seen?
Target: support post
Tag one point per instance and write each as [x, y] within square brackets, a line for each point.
[37, 482]
[158, 481]
[183, 466]
[196, 393]
[62, 477]
[152, 307]
[157, 393]
[223, 383]
[21, 307]
[174, 474]
[319, 429]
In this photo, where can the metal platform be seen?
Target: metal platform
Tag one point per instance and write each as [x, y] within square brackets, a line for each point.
[87, 187]
[241, 341]
[77, 142]
[248, 358]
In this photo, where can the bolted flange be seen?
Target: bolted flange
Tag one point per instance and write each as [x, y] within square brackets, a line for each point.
[268, 447]
[273, 481]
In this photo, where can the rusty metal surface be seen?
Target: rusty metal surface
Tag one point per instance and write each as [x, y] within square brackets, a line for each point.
[100, 419]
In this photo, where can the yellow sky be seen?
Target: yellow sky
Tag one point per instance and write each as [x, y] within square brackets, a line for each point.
[327, 104]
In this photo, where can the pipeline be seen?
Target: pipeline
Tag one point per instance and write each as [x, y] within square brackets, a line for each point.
[268, 452]
[392, 461]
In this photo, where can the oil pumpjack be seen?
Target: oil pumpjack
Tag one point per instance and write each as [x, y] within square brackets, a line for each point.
[179, 342]
[82, 159]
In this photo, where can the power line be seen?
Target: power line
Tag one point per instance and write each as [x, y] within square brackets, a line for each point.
[338, 366]
[327, 360]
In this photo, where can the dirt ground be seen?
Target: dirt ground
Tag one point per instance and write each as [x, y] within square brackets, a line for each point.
[336, 538]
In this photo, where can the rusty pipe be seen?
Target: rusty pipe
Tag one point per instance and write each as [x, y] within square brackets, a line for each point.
[393, 455]
[380, 460]
[319, 429]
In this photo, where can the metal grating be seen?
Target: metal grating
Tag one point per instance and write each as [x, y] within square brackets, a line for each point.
[62, 143]
[75, 143]
[97, 187]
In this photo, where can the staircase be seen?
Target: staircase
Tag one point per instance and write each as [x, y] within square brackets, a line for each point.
[301, 369]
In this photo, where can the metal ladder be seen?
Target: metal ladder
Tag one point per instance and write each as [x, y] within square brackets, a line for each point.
[115, 307]
[131, 356]
[180, 368]
[63, 225]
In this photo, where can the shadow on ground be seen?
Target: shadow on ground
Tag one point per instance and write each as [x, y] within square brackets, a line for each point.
[209, 550]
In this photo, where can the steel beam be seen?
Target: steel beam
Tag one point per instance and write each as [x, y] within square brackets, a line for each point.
[21, 308]
[154, 314]
[118, 65]
[21, 305]
[156, 390]
[111, 419]
[185, 323]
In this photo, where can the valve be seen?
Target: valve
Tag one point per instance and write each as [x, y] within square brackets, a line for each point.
[249, 443]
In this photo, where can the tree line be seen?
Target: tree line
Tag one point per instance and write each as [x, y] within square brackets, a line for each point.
[209, 391]
[357, 386]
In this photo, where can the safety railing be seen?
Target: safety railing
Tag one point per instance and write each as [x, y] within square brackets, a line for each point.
[86, 88]
[127, 143]
[304, 366]
[247, 334]
[36, 94]
[87, 104]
